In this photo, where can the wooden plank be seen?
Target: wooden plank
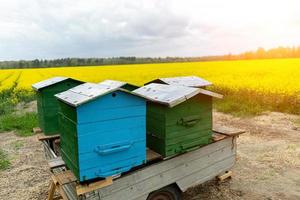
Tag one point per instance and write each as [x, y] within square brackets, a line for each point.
[37, 130]
[48, 137]
[85, 188]
[151, 155]
[65, 177]
[62, 193]
[56, 162]
[227, 174]
[51, 190]
[206, 174]
[160, 180]
[167, 172]
[230, 131]
[217, 137]
[136, 182]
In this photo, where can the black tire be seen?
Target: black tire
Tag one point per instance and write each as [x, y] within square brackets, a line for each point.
[166, 193]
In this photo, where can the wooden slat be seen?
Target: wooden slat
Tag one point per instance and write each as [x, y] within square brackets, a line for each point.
[65, 177]
[37, 130]
[56, 162]
[217, 137]
[151, 155]
[51, 190]
[227, 130]
[85, 188]
[173, 170]
[48, 137]
[222, 177]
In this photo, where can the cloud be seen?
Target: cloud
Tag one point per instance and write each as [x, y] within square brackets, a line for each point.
[79, 28]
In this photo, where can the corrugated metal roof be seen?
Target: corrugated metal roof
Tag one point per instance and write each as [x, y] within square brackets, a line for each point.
[85, 92]
[189, 81]
[210, 93]
[112, 83]
[48, 82]
[170, 95]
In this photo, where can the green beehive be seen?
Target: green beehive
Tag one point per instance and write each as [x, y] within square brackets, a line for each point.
[47, 104]
[179, 118]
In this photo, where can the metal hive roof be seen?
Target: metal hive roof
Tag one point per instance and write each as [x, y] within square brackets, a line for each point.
[85, 92]
[112, 83]
[48, 82]
[170, 95]
[189, 81]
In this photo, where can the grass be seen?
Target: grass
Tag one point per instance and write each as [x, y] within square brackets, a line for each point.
[238, 108]
[22, 123]
[9, 120]
[246, 102]
[4, 162]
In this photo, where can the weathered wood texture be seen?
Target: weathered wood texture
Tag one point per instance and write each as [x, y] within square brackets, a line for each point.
[172, 131]
[48, 137]
[186, 170]
[106, 142]
[217, 136]
[56, 162]
[226, 175]
[229, 131]
[37, 130]
[152, 155]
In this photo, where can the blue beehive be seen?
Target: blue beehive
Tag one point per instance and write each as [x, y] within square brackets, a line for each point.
[102, 129]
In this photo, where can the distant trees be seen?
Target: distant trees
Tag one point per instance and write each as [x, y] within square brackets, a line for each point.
[280, 52]
[260, 53]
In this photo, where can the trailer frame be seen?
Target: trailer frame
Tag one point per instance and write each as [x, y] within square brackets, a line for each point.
[180, 172]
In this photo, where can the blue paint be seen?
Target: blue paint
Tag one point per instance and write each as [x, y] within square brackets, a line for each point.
[111, 135]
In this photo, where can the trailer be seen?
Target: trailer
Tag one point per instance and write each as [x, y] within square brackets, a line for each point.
[159, 178]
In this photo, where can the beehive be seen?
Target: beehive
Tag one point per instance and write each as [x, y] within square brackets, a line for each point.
[47, 104]
[188, 81]
[119, 84]
[102, 130]
[178, 118]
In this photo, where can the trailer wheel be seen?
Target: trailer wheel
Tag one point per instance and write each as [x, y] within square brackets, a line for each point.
[166, 193]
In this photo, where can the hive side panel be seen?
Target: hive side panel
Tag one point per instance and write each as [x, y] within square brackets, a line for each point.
[50, 105]
[177, 129]
[40, 111]
[111, 135]
[111, 106]
[189, 124]
[68, 140]
[156, 127]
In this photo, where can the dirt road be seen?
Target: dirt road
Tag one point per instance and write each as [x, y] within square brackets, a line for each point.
[268, 165]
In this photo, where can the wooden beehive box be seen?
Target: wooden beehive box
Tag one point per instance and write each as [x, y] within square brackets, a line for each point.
[178, 118]
[188, 81]
[47, 105]
[119, 84]
[102, 130]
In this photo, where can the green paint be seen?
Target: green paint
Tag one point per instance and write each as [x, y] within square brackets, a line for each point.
[175, 130]
[47, 105]
[68, 140]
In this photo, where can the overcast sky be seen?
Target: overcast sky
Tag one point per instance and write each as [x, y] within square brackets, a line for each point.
[102, 28]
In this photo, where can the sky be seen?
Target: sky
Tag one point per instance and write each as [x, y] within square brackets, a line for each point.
[47, 29]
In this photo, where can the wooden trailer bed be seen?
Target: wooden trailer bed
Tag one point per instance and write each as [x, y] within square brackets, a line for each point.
[182, 171]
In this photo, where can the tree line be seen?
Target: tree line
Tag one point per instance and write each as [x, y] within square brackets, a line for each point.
[260, 53]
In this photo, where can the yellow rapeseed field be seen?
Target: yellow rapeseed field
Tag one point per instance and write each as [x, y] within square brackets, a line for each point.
[276, 77]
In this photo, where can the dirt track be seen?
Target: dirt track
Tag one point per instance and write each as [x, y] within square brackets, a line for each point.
[268, 165]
